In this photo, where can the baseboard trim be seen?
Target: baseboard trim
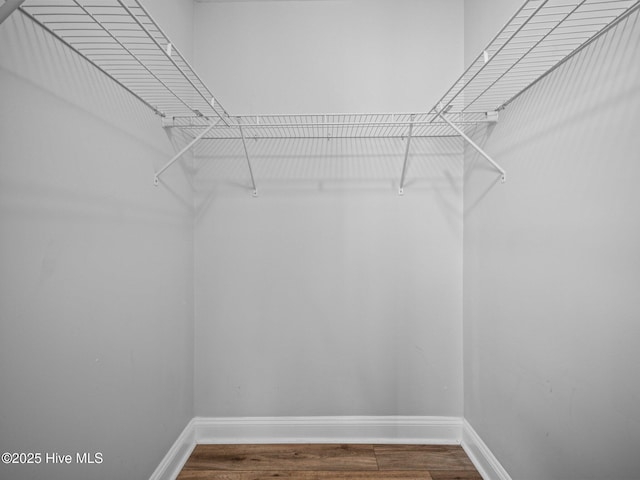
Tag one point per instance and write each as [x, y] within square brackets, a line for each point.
[177, 455]
[382, 430]
[393, 429]
[484, 460]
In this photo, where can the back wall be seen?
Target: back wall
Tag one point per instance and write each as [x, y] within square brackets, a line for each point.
[329, 294]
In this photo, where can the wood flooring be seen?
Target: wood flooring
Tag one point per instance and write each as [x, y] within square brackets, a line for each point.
[328, 462]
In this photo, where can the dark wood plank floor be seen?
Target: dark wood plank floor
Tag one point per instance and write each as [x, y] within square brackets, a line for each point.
[328, 462]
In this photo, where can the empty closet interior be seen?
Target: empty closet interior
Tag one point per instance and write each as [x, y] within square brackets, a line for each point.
[316, 211]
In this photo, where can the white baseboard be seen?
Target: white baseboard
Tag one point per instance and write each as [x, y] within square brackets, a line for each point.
[485, 462]
[394, 429]
[177, 455]
[380, 430]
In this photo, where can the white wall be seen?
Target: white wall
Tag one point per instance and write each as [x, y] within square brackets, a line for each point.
[483, 19]
[332, 296]
[552, 271]
[96, 269]
[318, 56]
[176, 19]
[329, 294]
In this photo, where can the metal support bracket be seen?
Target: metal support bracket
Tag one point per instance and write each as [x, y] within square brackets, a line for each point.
[246, 154]
[177, 156]
[406, 157]
[476, 147]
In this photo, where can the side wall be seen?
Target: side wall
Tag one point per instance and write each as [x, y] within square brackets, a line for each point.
[483, 19]
[328, 294]
[96, 268]
[552, 272]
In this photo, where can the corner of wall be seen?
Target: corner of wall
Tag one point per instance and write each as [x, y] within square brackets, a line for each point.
[484, 460]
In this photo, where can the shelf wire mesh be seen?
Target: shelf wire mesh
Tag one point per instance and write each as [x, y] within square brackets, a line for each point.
[541, 35]
[121, 39]
[337, 125]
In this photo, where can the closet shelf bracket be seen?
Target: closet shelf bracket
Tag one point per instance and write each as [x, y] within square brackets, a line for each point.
[246, 154]
[406, 157]
[503, 174]
[177, 156]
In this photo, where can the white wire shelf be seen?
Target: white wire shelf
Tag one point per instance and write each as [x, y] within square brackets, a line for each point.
[539, 37]
[336, 125]
[121, 39]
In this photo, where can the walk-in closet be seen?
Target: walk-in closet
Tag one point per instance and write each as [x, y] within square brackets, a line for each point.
[319, 239]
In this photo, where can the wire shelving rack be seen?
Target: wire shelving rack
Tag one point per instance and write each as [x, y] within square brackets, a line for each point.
[122, 40]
